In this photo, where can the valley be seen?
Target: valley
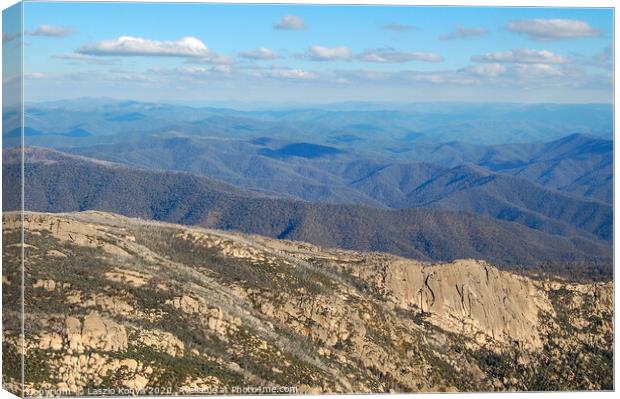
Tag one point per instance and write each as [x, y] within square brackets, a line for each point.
[205, 199]
[363, 248]
[569, 246]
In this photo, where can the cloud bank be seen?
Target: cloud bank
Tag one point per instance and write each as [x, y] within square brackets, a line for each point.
[41, 30]
[135, 46]
[261, 53]
[394, 27]
[460, 32]
[552, 29]
[290, 22]
[522, 56]
[388, 55]
[50, 31]
[320, 53]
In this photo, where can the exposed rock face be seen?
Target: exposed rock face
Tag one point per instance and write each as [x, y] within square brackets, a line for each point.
[132, 278]
[136, 305]
[49, 285]
[51, 341]
[95, 332]
[104, 334]
[66, 230]
[470, 295]
[162, 341]
[212, 317]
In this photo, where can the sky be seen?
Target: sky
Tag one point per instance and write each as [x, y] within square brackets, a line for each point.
[315, 54]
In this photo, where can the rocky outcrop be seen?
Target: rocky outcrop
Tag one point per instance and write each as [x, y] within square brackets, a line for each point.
[472, 296]
[94, 332]
[76, 372]
[211, 316]
[201, 311]
[48, 285]
[67, 230]
[132, 278]
[162, 341]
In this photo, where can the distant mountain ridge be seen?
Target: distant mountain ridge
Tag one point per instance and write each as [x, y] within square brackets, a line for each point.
[577, 164]
[474, 189]
[513, 169]
[524, 140]
[319, 174]
[75, 184]
[377, 123]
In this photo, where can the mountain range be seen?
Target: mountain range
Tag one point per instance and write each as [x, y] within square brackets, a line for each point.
[363, 125]
[526, 184]
[60, 182]
[343, 248]
[319, 174]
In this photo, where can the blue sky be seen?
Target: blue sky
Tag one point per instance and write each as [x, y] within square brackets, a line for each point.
[275, 53]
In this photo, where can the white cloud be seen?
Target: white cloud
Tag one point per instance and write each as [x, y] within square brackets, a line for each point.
[320, 53]
[136, 46]
[193, 74]
[277, 72]
[115, 76]
[399, 27]
[552, 29]
[532, 71]
[25, 76]
[460, 32]
[488, 75]
[221, 59]
[520, 75]
[403, 78]
[91, 59]
[522, 56]
[388, 55]
[527, 68]
[261, 53]
[360, 75]
[185, 70]
[222, 69]
[290, 22]
[7, 37]
[440, 78]
[41, 30]
[291, 74]
[485, 70]
[51, 31]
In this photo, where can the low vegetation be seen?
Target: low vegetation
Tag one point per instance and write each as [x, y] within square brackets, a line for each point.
[190, 310]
